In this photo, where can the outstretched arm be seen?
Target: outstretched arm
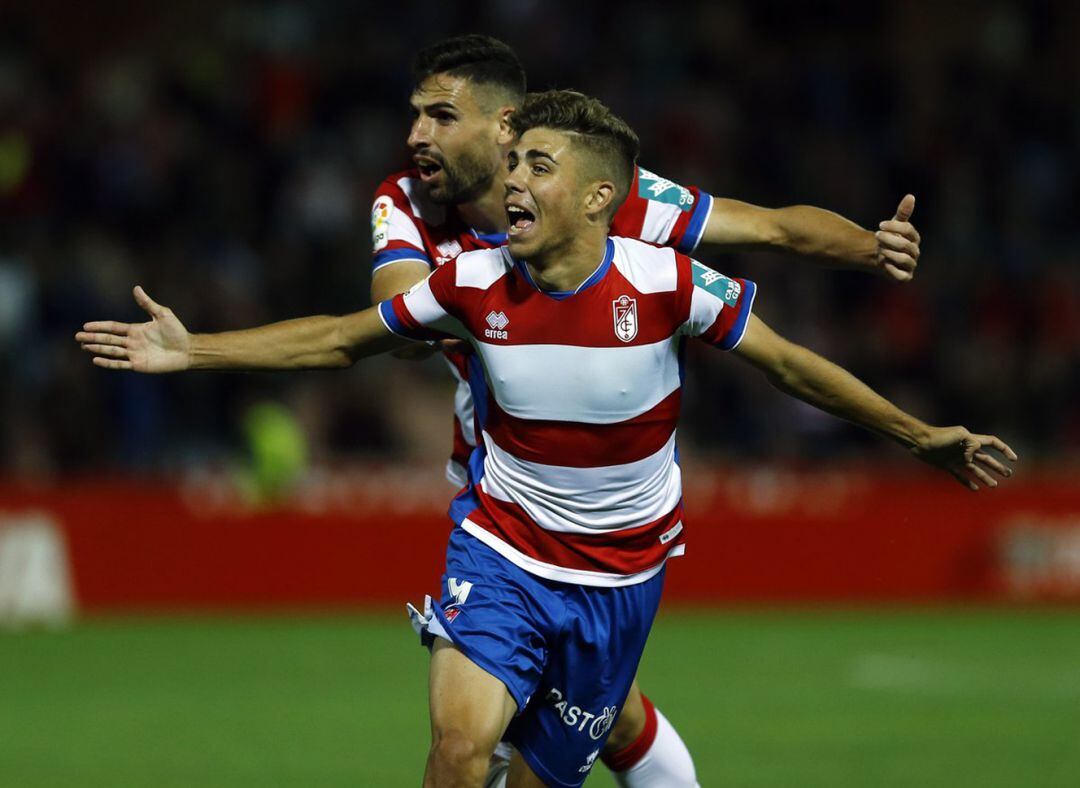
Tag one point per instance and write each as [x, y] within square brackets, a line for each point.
[163, 344]
[801, 373]
[892, 251]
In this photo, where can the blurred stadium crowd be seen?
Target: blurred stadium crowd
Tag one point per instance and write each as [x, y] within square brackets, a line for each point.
[224, 156]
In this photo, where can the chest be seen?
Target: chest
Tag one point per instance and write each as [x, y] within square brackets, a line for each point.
[601, 357]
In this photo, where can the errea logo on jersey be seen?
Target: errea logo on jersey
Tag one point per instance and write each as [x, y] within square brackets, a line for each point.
[652, 187]
[727, 290]
[448, 250]
[498, 322]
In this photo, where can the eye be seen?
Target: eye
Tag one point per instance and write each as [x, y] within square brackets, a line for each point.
[444, 118]
[539, 169]
[511, 163]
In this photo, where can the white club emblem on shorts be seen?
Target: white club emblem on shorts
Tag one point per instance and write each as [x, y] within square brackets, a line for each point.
[625, 314]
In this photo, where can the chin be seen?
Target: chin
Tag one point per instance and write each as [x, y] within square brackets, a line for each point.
[519, 250]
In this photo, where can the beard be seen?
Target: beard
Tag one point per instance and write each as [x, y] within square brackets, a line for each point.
[462, 182]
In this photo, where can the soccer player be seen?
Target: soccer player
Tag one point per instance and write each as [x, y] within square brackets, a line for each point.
[466, 90]
[574, 504]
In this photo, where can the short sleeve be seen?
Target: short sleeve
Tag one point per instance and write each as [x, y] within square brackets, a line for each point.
[395, 234]
[720, 307]
[426, 310]
[660, 211]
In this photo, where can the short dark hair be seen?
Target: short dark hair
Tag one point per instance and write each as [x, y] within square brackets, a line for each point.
[604, 134]
[480, 59]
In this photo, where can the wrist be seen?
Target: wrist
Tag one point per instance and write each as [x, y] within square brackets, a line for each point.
[915, 435]
[199, 353]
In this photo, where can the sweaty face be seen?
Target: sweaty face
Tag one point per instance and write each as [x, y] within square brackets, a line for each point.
[454, 139]
[544, 206]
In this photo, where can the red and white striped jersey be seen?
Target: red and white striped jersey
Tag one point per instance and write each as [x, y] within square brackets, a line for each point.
[406, 225]
[576, 475]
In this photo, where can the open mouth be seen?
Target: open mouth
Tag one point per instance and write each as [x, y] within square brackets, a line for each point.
[519, 219]
[428, 168]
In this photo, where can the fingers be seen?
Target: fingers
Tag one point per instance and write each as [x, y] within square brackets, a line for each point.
[108, 326]
[86, 337]
[110, 363]
[997, 443]
[106, 350]
[966, 482]
[901, 260]
[899, 274]
[898, 243]
[905, 208]
[904, 229]
[148, 304]
[982, 475]
[986, 460]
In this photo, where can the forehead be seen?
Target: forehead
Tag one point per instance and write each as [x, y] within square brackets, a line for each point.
[556, 144]
[444, 88]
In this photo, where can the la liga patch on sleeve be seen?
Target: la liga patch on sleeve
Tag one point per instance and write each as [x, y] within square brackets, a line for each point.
[380, 222]
[724, 288]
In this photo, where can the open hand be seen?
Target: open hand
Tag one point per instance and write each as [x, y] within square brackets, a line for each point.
[898, 243]
[962, 454]
[161, 345]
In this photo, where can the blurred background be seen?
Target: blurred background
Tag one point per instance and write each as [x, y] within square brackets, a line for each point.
[224, 156]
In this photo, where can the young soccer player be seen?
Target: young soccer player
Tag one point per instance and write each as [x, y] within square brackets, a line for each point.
[466, 90]
[574, 503]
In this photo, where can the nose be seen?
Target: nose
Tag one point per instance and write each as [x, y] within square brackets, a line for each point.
[419, 136]
[513, 182]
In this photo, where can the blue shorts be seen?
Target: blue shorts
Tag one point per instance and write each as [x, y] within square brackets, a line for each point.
[567, 653]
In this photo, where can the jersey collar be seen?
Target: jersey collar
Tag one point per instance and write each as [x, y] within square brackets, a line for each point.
[593, 278]
[495, 239]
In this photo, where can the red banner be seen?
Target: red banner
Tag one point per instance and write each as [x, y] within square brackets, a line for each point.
[769, 536]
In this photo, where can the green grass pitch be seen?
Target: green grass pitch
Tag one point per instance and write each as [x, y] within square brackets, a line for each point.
[987, 697]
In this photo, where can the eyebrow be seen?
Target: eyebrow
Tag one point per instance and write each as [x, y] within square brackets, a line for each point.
[433, 107]
[539, 154]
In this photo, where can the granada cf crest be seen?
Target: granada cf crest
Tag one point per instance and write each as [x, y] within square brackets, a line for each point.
[625, 309]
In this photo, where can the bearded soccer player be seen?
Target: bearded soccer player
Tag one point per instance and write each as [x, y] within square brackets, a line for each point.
[556, 563]
[451, 201]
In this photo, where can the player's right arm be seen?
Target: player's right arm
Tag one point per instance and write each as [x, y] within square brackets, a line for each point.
[163, 344]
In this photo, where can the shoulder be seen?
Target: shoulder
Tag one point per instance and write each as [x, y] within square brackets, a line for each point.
[481, 268]
[649, 268]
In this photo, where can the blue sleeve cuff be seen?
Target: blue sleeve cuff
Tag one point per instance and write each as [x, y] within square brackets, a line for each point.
[735, 335]
[696, 228]
[396, 255]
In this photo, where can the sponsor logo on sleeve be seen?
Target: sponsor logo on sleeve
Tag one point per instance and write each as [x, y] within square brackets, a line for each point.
[380, 222]
[624, 310]
[727, 290]
[652, 187]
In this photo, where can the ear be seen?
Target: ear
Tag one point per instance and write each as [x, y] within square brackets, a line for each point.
[506, 134]
[598, 198]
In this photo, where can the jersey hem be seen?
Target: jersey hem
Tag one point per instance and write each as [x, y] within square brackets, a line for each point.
[561, 574]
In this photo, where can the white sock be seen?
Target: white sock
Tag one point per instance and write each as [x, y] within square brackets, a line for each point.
[665, 764]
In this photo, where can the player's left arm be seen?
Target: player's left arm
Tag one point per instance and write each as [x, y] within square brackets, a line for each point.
[801, 373]
[892, 251]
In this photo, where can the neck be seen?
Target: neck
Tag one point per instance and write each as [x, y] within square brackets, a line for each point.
[566, 267]
[486, 213]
